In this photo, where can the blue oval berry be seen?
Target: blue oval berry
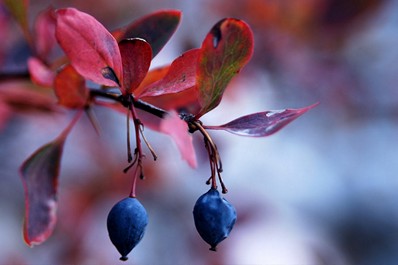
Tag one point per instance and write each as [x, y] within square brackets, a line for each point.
[126, 225]
[214, 217]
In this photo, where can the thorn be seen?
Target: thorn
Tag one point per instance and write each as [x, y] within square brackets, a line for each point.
[93, 119]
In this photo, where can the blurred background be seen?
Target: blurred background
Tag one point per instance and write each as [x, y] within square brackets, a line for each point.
[321, 191]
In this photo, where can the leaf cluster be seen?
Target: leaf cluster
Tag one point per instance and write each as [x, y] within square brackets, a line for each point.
[175, 96]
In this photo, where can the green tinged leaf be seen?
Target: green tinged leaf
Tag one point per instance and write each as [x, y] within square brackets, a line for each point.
[19, 10]
[225, 50]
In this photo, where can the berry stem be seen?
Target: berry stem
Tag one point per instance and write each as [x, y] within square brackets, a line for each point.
[128, 101]
[137, 124]
[214, 156]
[137, 172]
[212, 165]
[193, 124]
[129, 155]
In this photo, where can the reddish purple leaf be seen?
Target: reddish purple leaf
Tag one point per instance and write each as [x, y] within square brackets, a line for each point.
[225, 50]
[262, 123]
[40, 178]
[177, 129]
[92, 50]
[70, 88]
[155, 28]
[180, 76]
[40, 73]
[45, 33]
[39, 174]
[136, 58]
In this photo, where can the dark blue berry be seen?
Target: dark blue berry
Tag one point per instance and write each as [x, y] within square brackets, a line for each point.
[126, 225]
[214, 217]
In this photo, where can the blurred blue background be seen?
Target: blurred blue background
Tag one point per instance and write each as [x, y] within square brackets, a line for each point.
[321, 191]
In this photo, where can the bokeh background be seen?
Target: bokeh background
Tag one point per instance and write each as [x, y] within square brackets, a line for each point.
[321, 191]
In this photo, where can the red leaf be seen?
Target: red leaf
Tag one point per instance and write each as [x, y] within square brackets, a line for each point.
[136, 58]
[185, 101]
[40, 73]
[180, 76]
[70, 88]
[45, 33]
[92, 50]
[39, 174]
[262, 123]
[225, 50]
[40, 178]
[151, 77]
[155, 28]
[177, 129]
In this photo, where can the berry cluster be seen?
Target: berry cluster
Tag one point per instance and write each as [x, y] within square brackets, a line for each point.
[214, 219]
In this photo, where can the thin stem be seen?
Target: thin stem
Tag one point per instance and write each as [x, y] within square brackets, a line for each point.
[207, 136]
[137, 124]
[212, 166]
[137, 171]
[148, 144]
[212, 151]
[67, 130]
[138, 151]
[129, 155]
[223, 187]
[132, 163]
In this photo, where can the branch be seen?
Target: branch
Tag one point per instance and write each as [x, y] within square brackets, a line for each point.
[139, 104]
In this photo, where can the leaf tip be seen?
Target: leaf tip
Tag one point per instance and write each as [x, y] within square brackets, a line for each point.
[31, 235]
[305, 109]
